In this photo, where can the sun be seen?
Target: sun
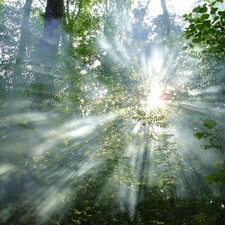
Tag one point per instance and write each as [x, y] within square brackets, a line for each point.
[156, 98]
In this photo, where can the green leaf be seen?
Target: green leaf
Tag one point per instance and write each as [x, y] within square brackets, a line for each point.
[216, 18]
[213, 10]
[210, 124]
[201, 134]
[197, 9]
[204, 16]
[222, 14]
[197, 40]
[216, 177]
[203, 9]
[200, 9]
[207, 24]
[212, 3]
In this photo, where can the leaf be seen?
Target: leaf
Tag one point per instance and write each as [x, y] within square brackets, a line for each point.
[215, 143]
[222, 14]
[203, 9]
[197, 40]
[213, 10]
[157, 117]
[204, 16]
[216, 177]
[141, 112]
[207, 23]
[197, 9]
[201, 134]
[212, 3]
[210, 124]
[200, 9]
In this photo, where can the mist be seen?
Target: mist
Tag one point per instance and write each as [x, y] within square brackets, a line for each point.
[106, 118]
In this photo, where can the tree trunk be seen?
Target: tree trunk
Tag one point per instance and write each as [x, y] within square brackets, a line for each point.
[52, 30]
[19, 66]
[47, 53]
[24, 32]
[166, 18]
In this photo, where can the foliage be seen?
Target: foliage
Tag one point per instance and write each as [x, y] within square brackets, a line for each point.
[204, 32]
[80, 161]
[216, 142]
[156, 117]
[212, 133]
[206, 27]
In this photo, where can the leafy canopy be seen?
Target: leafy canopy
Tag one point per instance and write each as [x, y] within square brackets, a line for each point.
[206, 27]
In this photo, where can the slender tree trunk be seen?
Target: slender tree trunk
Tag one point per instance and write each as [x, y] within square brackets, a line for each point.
[24, 31]
[21, 53]
[142, 176]
[166, 21]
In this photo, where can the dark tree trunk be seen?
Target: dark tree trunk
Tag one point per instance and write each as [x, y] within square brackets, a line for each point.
[52, 29]
[48, 49]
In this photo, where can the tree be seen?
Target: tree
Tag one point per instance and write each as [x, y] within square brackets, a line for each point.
[24, 36]
[92, 150]
[206, 24]
[48, 49]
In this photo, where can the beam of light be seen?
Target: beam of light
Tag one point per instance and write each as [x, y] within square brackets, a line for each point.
[6, 168]
[41, 139]
[185, 144]
[51, 202]
[48, 182]
[154, 99]
[70, 130]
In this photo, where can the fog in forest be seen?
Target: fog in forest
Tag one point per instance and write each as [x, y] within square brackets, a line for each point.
[112, 112]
